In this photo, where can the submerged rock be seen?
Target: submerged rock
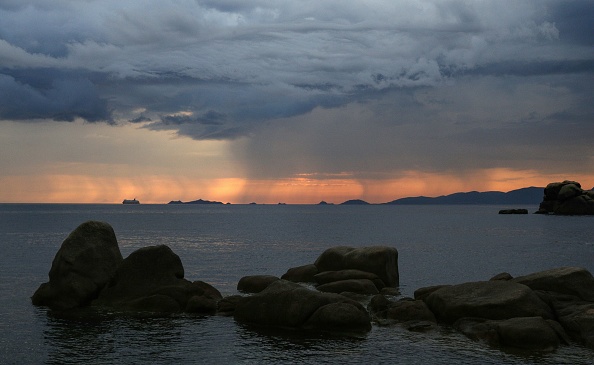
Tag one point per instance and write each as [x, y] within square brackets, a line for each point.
[86, 261]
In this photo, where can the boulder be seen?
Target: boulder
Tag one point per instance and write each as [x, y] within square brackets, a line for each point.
[402, 310]
[380, 260]
[566, 198]
[488, 300]
[575, 315]
[86, 261]
[255, 283]
[301, 274]
[423, 293]
[527, 333]
[151, 279]
[579, 205]
[290, 305]
[574, 281]
[359, 286]
[331, 276]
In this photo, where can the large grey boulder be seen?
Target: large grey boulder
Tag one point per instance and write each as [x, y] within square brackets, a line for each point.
[380, 260]
[486, 299]
[290, 305]
[576, 316]
[151, 279]
[86, 261]
[575, 281]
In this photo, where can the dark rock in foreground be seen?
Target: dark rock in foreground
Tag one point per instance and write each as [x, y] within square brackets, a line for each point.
[486, 299]
[152, 279]
[574, 281]
[86, 261]
[528, 333]
[412, 314]
[301, 274]
[290, 305]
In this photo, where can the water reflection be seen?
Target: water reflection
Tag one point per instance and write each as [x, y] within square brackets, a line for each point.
[93, 337]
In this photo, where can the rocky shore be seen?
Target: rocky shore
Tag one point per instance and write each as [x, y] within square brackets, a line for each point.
[346, 290]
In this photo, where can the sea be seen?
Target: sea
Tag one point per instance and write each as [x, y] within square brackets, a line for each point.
[219, 244]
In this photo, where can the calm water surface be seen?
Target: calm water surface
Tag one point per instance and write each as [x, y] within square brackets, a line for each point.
[220, 244]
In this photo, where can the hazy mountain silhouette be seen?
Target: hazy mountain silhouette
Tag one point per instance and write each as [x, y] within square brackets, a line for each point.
[532, 195]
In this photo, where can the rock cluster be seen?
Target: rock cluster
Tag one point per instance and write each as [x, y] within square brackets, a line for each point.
[567, 198]
[538, 312]
[362, 270]
[89, 270]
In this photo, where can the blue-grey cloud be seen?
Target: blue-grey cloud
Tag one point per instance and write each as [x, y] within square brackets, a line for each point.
[229, 69]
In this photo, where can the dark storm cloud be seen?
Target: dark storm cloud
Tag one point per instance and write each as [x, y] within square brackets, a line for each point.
[59, 99]
[416, 75]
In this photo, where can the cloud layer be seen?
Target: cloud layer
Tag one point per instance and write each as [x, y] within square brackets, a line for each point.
[328, 87]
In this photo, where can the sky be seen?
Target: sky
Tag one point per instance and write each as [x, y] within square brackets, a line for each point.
[292, 101]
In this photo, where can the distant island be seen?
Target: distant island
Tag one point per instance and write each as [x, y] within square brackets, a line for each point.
[355, 202]
[199, 201]
[525, 196]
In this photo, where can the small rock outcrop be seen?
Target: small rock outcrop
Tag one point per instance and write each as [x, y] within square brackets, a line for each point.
[567, 198]
[86, 261]
[513, 211]
[290, 305]
[151, 279]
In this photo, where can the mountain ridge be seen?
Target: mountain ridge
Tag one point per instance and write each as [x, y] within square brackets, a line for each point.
[529, 195]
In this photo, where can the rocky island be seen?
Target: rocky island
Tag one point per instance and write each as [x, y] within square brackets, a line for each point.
[567, 198]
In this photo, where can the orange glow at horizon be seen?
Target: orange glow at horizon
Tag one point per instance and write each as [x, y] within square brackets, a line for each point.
[304, 189]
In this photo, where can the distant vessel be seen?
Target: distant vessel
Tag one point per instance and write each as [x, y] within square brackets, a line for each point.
[130, 201]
